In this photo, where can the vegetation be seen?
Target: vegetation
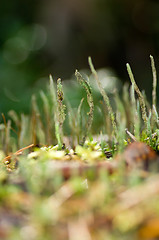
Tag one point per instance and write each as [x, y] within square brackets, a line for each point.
[61, 179]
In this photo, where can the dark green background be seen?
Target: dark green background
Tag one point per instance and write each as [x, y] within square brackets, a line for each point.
[42, 37]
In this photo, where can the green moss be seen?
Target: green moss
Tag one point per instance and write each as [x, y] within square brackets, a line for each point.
[62, 189]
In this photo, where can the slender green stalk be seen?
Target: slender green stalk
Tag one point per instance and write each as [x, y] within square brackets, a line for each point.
[60, 114]
[128, 111]
[58, 109]
[105, 97]
[135, 115]
[120, 106]
[53, 106]
[156, 116]
[47, 116]
[149, 128]
[14, 116]
[74, 118]
[154, 81]
[7, 134]
[154, 87]
[71, 121]
[34, 119]
[60, 106]
[37, 126]
[23, 137]
[121, 122]
[126, 99]
[121, 131]
[79, 118]
[8, 137]
[79, 109]
[85, 84]
[140, 96]
[52, 92]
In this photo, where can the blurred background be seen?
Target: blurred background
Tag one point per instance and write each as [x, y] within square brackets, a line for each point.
[57, 36]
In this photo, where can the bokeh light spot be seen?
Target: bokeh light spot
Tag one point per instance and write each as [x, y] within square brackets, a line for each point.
[35, 37]
[15, 51]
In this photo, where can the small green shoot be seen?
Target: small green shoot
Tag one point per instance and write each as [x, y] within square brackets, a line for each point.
[135, 114]
[85, 84]
[154, 81]
[60, 114]
[58, 110]
[140, 96]
[105, 97]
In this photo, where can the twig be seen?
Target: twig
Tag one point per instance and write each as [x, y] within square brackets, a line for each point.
[20, 151]
[131, 135]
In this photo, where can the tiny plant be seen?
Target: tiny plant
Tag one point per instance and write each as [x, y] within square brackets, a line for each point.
[105, 97]
[85, 84]
[59, 110]
[140, 96]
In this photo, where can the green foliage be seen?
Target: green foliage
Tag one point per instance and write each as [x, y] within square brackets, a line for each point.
[46, 124]
[73, 189]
